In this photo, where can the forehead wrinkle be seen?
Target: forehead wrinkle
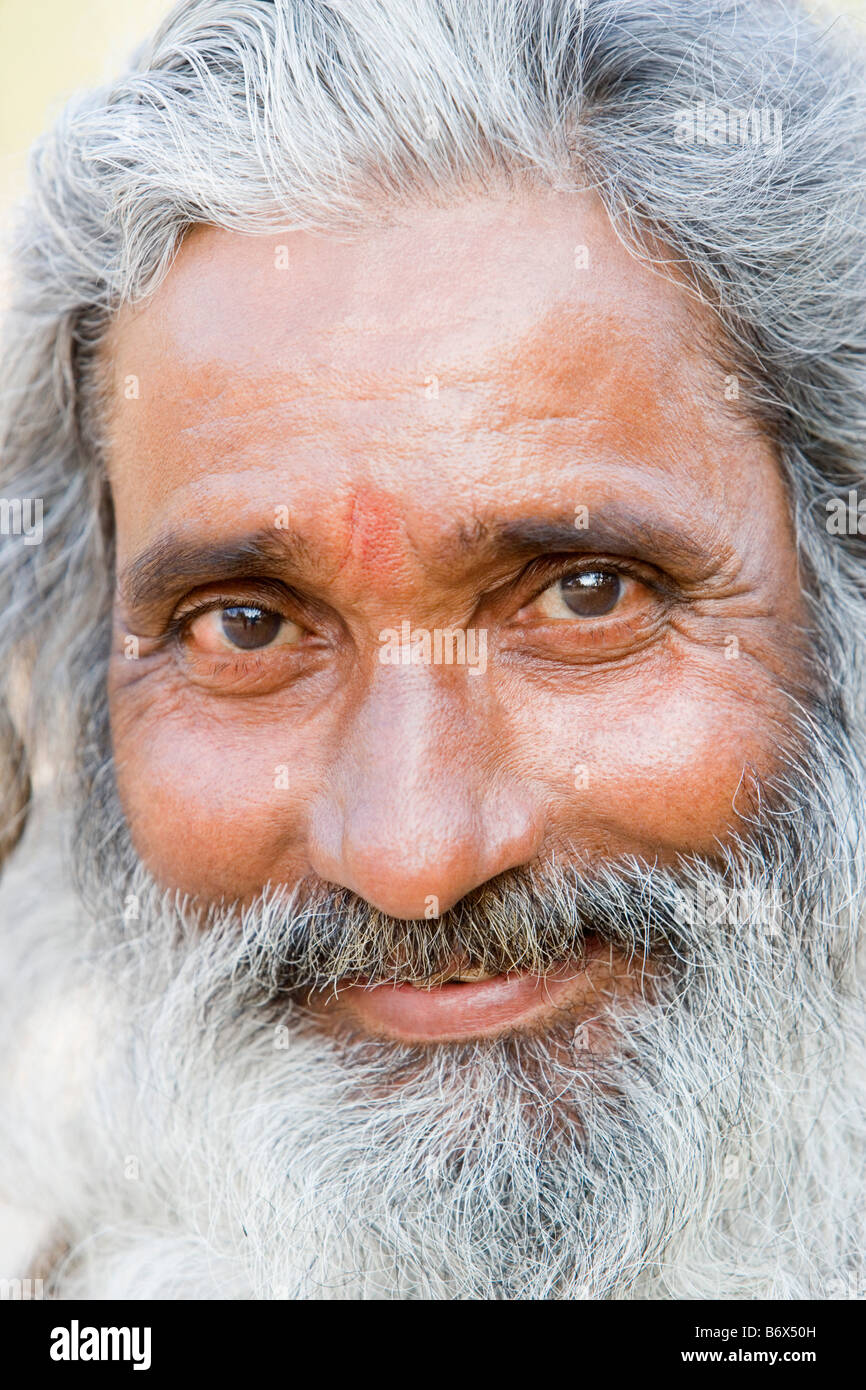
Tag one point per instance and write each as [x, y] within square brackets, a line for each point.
[539, 371]
[572, 359]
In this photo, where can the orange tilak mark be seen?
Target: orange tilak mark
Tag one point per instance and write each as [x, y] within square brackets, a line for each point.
[378, 543]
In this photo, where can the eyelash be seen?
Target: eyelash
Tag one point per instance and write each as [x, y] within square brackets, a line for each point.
[554, 570]
[182, 621]
[567, 566]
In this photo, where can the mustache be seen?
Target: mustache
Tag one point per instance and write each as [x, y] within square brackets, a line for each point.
[320, 937]
[763, 896]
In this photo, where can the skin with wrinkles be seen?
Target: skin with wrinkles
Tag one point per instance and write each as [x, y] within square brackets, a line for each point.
[410, 397]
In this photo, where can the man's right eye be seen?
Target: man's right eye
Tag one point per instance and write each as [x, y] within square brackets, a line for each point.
[239, 627]
[586, 594]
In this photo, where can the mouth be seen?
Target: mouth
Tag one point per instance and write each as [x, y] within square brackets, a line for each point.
[465, 1002]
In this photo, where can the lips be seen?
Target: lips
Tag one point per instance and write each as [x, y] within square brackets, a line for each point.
[465, 1002]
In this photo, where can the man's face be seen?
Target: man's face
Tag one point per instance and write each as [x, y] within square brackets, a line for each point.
[489, 418]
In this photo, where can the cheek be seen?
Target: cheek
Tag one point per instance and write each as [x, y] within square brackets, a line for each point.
[656, 769]
[212, 804]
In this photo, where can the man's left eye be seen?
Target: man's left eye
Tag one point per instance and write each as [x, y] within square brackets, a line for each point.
[241, 627]
[587, 594]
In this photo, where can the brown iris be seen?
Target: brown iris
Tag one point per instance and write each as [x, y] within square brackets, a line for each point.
[591, 594]
[250, 627]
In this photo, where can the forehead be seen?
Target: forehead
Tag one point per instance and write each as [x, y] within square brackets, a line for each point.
[508, 344]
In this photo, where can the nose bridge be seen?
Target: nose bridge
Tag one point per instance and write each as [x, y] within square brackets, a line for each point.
[407, 819]
[405, 731]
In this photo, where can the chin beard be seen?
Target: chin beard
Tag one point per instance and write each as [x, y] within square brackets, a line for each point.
[212, 1141]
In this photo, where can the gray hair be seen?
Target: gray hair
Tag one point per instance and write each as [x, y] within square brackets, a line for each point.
[328, 115]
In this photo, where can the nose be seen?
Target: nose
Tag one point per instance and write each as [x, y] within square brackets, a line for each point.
[417, 810]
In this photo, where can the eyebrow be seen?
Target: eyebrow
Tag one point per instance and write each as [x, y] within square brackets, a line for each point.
[174, 563]
[624, 532]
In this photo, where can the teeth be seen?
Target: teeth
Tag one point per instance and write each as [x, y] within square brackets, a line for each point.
[462, 975]
[470, 975]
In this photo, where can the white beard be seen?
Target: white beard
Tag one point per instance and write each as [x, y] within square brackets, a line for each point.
[184, 1145]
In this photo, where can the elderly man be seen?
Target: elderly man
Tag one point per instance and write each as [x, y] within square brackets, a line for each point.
[440, 661]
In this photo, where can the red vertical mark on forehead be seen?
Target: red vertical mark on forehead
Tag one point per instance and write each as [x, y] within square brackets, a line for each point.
[378, 543]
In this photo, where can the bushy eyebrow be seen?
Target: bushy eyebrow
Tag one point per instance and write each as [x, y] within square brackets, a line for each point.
[174, 563]
[695, 553]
